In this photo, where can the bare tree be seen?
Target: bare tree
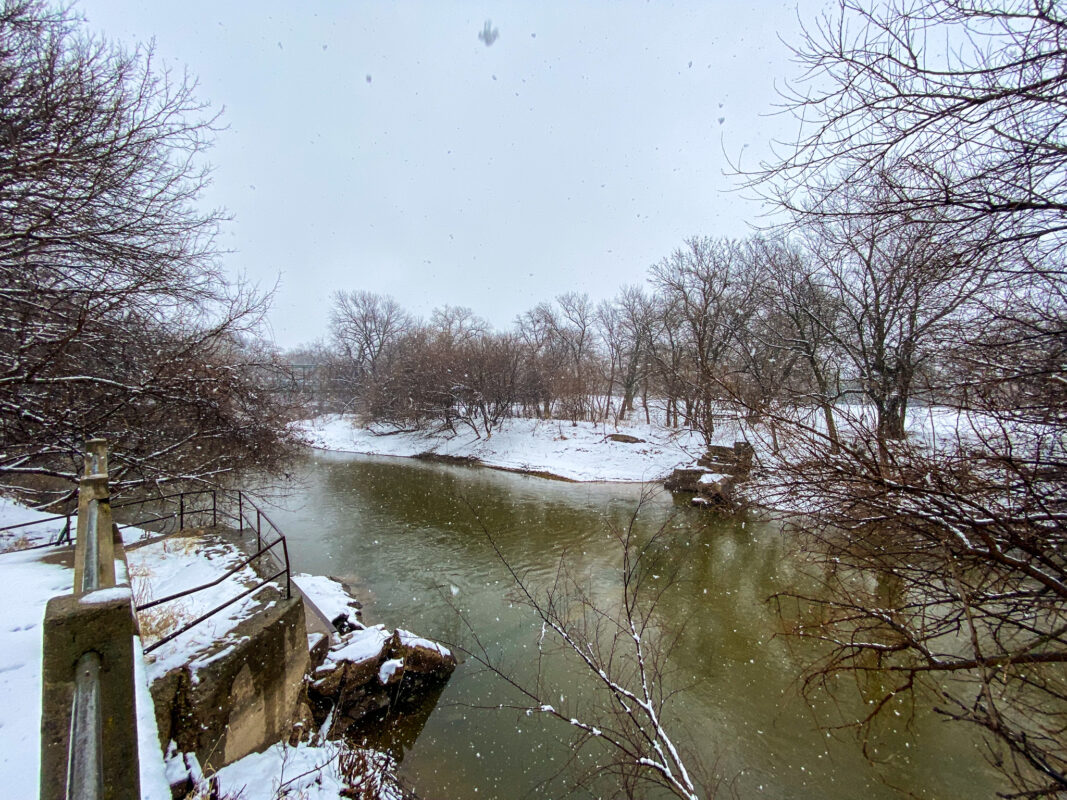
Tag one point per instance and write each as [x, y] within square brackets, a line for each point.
[610, 330]
[964, 98]
[116, 317]
[562, 334]
[711, 284]
[933, 151]
[457, 324]
[668, 355]
[634, 311]
[485, 383]
[900, 295]
[363, 325]
[809, 316]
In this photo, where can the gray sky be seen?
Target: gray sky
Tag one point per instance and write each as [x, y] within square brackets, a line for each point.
[384, 146]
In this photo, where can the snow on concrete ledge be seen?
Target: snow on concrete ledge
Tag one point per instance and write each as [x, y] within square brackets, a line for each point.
[327, 594]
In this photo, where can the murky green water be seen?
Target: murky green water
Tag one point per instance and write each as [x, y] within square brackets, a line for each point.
[409, 535]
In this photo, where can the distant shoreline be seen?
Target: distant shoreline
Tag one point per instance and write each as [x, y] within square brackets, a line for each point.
[550, 449]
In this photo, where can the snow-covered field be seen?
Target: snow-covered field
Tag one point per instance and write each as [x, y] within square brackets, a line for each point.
[582, 452]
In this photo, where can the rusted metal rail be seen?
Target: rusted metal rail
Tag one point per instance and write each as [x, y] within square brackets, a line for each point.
[260, 523]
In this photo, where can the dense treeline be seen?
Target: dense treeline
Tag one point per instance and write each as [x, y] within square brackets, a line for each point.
[724, 326]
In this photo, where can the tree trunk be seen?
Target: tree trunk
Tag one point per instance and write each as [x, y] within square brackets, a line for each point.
[831, 426]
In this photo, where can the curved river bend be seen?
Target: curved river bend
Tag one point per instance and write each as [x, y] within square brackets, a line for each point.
[407, 535]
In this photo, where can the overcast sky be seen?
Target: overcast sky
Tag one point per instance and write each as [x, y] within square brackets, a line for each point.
[387, 147]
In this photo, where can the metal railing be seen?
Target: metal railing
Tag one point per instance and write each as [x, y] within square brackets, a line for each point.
[63, 538]
[196, 505]
[88, 728]
[260, 523]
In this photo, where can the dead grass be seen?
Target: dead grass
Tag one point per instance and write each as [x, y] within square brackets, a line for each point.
[366, 774]
[19, 543]
[209, 790]
[155, 623]
[182, 545]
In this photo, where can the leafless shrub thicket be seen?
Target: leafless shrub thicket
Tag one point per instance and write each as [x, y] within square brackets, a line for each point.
[927, 187]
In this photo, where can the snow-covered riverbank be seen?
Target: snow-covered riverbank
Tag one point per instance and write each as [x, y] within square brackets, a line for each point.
[582, 452]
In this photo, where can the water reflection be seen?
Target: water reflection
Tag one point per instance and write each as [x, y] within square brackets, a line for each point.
[409, 535]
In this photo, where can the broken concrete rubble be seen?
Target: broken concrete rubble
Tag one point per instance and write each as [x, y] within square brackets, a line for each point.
[713, 479]
[370, 669]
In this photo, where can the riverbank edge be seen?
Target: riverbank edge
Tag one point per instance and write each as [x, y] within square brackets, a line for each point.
[474, 461]
[548, 449]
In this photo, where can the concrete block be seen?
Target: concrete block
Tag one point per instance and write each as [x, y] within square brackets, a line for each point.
[100, 622]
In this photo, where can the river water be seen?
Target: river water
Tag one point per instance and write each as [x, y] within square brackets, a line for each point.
[410, 536]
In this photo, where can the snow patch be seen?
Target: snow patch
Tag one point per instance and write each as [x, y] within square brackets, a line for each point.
[361, 645]
[388, 669]
[109, 595]
[411, 640]
[327, 594]
[579, 452]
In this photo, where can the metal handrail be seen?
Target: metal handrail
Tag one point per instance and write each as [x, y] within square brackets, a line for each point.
[63, 538]
[215, 610]
[216, 582]
[262, 550]
[170, 496]
[243, 515]
[34, 522]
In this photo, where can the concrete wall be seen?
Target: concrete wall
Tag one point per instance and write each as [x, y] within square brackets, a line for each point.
[245, 694]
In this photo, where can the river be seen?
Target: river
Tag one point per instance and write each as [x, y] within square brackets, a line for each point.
[408, 535]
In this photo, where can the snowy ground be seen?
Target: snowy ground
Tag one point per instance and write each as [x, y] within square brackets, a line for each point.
[30, 582]
[585, 452]
[174, 565]
[29, 532]
[156, 570]
[311, 773]
[582, 452]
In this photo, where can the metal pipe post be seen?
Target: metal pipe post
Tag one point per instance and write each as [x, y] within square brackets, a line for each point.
[85, 766]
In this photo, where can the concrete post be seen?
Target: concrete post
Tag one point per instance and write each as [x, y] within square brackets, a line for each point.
[75, 625]
[95, 457]
[92, 492]
[88, 641]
